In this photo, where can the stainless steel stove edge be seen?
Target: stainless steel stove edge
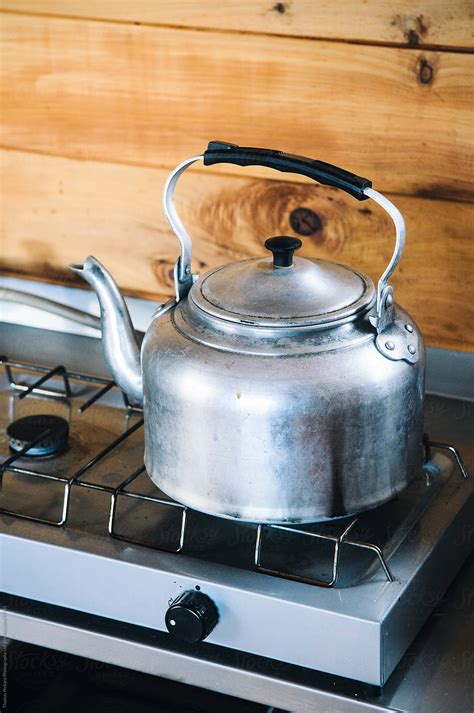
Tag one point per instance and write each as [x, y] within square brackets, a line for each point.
[427, 587]
[255, 616]
[260, 685]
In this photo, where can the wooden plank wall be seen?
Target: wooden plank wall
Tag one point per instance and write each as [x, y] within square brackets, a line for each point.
[101, 99]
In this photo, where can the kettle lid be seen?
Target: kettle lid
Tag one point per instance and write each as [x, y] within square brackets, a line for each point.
[283, 291]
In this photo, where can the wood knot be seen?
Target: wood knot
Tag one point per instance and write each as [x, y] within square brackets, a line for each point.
[413, 38]
[305, 221]
[280, 7]
[414, 28]
[164, 272]
[425, 71]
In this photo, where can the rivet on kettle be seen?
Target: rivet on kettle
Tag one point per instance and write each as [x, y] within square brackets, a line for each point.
[409, 328]
[389, 300]
[390, 346]
[411, 349]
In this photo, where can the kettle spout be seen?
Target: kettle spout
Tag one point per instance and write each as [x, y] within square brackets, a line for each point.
[121, 351]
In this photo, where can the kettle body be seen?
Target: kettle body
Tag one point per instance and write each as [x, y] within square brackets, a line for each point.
[294, 432]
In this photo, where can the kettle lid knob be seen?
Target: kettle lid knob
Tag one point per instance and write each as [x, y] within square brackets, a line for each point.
[283, 247]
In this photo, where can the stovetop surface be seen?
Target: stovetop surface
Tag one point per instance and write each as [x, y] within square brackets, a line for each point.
[144, 514]
[222, 542]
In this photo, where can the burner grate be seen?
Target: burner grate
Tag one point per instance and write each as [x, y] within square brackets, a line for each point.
[336, 540]
[121, 490]
[78, 478]
[339, 539]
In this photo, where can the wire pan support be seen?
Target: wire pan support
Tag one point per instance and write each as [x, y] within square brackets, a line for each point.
[77, 479]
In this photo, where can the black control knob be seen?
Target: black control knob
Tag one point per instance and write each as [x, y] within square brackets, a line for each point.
[191, 617]
[283, 247]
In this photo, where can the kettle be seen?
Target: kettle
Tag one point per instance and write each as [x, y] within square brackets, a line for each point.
[278, 389]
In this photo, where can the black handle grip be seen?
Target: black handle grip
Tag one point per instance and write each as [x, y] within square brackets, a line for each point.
[220, 152]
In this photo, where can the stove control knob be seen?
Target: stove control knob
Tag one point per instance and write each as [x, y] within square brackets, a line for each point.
[191, 617]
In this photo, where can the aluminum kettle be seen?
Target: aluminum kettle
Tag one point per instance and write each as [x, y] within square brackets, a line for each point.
[278, 389]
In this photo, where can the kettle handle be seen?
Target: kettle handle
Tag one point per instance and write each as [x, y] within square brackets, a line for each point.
[357, 186]
[220, 152]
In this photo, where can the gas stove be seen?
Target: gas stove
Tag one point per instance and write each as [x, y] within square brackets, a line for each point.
[97, 561]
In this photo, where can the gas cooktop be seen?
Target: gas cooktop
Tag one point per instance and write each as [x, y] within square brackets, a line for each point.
[83, 528]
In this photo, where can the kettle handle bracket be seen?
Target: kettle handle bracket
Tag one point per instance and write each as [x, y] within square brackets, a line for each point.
[360, 188]
[384, 313]
[183, 277]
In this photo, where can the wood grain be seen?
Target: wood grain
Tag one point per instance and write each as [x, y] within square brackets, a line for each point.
[153, 96]
[57, 211]
[411, 22]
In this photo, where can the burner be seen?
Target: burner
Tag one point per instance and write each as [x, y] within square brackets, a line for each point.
[47, 434]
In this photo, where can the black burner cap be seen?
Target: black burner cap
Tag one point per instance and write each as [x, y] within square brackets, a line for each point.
[28, 429]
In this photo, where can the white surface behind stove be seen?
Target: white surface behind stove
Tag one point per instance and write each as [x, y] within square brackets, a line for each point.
[141, 310]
